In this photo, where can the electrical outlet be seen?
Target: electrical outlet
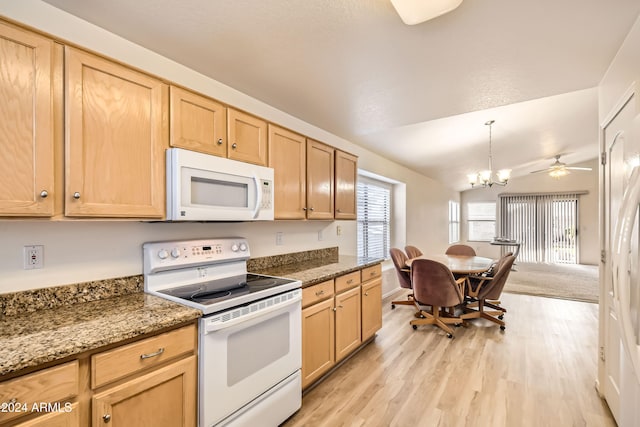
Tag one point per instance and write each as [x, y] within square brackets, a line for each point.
[33, 257]
[279, 235]
[338, 230]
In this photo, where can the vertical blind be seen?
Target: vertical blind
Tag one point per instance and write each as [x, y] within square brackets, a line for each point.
[546, 225]
[374, 218]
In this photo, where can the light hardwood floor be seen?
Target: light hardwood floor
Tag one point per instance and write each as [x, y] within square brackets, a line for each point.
[540, 372]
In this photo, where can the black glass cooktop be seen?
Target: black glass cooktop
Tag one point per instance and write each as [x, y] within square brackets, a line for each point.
[218, 290]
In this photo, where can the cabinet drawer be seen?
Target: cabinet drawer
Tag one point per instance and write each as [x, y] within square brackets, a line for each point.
[49, 386]
[316, 293]
[371, 272]
[123, 361]
[347, 281]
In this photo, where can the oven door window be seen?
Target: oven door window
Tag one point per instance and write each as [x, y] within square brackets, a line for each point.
[253, 349]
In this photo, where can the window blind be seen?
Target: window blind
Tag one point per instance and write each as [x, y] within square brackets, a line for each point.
[546, 225]
[374, 218]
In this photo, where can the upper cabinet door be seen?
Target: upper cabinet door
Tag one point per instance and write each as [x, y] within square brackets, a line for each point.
[320, 177]
[116, 136]
[287, 157]
[247, 138]
[26, 122]
[198, 123]
[346, 175]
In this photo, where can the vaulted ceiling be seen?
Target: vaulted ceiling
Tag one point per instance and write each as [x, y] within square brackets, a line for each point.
[419, 95]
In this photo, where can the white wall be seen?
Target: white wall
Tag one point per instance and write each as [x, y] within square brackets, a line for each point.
[78, 251]
[589, 252]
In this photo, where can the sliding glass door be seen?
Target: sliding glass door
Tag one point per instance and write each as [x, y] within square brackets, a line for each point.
[546, 225]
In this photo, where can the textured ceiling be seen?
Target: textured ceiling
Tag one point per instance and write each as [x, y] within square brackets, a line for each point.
[417, 94]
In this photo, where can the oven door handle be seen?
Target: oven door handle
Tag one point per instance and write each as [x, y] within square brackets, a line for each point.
[212, 327]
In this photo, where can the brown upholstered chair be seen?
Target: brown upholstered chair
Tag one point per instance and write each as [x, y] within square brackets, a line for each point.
[460, 250]
[434, 285]
[486, 291]
[412, 251]
[399, 261]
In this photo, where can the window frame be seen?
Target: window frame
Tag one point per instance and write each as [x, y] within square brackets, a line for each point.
[363, 246]
[454, 221]
[481, 218]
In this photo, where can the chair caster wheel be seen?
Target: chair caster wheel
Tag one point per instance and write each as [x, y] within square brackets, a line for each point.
[450, 336]
[501, 317]
[502, 328]
[393, 306]
[414, 327]
[457, 325]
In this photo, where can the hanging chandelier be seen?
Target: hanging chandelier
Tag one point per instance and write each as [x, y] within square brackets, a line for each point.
[485, 177]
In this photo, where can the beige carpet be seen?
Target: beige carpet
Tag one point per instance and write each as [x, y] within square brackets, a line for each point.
[567, 281]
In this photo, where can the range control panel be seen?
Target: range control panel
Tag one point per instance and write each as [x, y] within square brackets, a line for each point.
[159, 256]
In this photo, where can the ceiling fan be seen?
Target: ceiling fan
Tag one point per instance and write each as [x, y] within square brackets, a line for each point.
[559, 169]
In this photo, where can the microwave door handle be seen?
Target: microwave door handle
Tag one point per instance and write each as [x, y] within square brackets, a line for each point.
[256, 180]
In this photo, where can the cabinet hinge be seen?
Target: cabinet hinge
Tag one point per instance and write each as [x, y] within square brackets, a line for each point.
[602, 354]
[603, 158]
[603, 256]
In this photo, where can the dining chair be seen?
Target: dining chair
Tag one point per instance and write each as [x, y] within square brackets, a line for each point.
[399, 259]
[434, 285]
[460, 250]
[412, 251]
[486, 291]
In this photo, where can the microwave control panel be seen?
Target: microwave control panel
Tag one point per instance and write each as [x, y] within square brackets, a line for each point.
[267, 194]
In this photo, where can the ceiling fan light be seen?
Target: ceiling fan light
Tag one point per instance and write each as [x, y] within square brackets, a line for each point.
[558, 173]
[504, 175]
[416, 11]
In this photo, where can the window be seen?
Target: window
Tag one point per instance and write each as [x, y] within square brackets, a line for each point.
[454, 221]
[482, 221]
[374, 218]
[545, 225]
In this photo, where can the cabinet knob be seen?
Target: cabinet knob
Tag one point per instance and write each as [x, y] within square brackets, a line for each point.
[76, 195]
[366, 294]
[44, 194]
[106, 418]
[304, 209]
[320, 293]
[220, 141]
[311, 209]
[234, 145]
[335, 309]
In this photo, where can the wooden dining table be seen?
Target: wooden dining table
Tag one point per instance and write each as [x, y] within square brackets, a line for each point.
[459, 264]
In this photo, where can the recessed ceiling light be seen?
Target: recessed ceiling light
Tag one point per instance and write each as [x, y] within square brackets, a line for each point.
[416, 11]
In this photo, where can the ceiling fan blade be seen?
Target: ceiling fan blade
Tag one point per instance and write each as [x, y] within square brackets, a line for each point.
[578, 169]
[542, 170]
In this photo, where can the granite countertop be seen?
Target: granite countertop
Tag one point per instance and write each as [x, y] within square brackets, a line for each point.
[317, 270]
[31, 339]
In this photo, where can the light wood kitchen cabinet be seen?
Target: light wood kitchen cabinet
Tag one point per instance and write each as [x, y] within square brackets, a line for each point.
[348, 322]
[151, 382]
[288, 157]
[197, 123]
[29, 64]
[58, 384]
[318, 340]
[345, 190]
[116, 136]
[320, 180]
[371, 300]
[247, 137]
[165, 397]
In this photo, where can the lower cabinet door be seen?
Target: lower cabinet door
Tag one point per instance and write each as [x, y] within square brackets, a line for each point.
[348, 324]
[371, 307]
[317, 341]
[68, 416]
[162, 398]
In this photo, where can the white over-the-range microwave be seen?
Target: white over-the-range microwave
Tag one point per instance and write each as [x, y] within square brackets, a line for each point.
[202, 187]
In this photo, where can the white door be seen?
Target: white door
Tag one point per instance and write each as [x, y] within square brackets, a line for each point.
[619, 380]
